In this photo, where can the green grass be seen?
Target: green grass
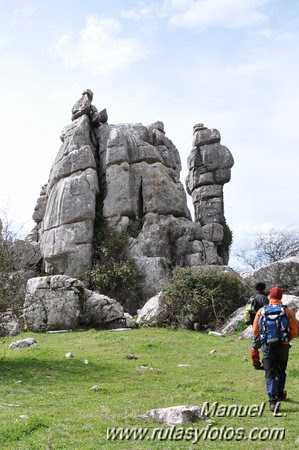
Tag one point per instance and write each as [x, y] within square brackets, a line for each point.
[63, 413]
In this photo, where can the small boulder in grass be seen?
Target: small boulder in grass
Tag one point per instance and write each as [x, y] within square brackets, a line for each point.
[216, 333]
[175, 415]
[95, 388]
[22, 343]
[131, 356]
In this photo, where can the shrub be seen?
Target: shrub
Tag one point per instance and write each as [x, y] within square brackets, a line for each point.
[113, 272]
[205, 297]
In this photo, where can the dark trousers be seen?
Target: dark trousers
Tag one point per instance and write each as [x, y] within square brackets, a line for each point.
[275, 360]
[256, 342]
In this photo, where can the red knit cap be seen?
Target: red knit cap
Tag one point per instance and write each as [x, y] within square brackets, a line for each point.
[276, 292]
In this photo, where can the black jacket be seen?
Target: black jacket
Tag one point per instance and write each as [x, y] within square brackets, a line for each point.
[259, 301]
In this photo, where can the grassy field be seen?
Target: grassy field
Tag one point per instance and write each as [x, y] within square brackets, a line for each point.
[60, 411]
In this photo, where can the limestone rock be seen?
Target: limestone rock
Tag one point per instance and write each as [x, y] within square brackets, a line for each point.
[83, 105]
[176, 415]
[53, 303]
[28, 342]
[101, 311]
[248, 333]
[203, 136]
[209, 165]
[10, 324]
[284, 273]
[213, 232]
[130, 323]
[67, 225]
[40, 208]
[234, 320]
[130, 175]
[155, 271]
[95, 388]
[216, 333]
[292, 301]
[26, 254]
[153, 312]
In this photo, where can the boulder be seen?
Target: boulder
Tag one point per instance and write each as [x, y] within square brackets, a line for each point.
[153, 313]
[237, 317]
[234, 320]
[53, 303]
[284, 273]
[130, 322]
[292, 301]
[10, 324]
[60, 302]
[28, 342]
[102, 311]
[176, 415]
[248, 333]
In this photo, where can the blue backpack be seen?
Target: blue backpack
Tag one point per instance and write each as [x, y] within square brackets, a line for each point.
[274, 324]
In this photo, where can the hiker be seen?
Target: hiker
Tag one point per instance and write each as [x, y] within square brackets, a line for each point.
[276, 325]
[252, 307]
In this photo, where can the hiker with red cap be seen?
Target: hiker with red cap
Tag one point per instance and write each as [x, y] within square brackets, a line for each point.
[276, 325]
[254, 304]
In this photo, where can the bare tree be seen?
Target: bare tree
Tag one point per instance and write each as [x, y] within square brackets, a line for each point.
[12, 281]
[269, 248]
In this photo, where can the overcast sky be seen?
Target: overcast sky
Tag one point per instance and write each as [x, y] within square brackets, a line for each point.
[231, 64]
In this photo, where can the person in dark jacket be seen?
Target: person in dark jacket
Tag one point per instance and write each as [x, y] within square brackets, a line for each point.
[259, 301]
[275, 354]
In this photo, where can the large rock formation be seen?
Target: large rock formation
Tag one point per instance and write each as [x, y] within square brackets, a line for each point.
[209, 165]
[130, 174]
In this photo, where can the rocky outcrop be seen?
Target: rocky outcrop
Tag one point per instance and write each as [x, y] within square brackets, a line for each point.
[283, 273]
[130, 175]
[66, 208]
[60, 302]
[209, 165]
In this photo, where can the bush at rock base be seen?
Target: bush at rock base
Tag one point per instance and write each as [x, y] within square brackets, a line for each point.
[113, 273]
[203, 297]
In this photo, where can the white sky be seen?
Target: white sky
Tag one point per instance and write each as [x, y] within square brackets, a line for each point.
[231, 64]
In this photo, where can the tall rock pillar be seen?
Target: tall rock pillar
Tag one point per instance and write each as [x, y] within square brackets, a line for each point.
[209, 165]
[66, 210]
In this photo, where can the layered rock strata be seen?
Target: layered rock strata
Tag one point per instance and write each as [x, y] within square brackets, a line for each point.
[130, 174]
[60, 302]
[209, 165]
[65, 210]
